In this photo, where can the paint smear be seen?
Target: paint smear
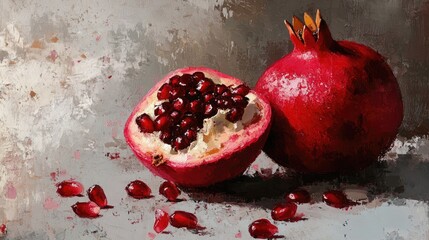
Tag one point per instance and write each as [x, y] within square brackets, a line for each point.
[10, 191]
[50, 204]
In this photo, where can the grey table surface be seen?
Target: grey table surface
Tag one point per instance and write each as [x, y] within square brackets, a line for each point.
[71, 72]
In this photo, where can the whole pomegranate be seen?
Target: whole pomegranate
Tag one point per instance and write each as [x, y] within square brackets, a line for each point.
[336, 104]
[198, 126]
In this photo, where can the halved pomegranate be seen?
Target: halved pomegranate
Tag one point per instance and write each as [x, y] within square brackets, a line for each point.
[198, 126]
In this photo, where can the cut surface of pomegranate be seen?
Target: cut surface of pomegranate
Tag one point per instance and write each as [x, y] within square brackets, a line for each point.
[182, 219]
[298, 196]
[284, 211]
[97, 195]
[70, 188]
[263, 229]
[161, 220]
[86, 209]
[336, 105]
[138, 189]
[209, 127]
[169, 190]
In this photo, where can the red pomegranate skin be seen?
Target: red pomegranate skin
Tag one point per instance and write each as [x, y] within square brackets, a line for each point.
[336, 105]
[213, 169]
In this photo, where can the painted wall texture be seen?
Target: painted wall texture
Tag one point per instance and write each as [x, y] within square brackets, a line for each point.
[71, 72]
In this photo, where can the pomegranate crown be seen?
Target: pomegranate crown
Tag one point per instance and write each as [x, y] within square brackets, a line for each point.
[311, 33]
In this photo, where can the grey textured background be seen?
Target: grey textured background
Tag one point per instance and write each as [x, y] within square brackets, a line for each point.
[71, 72]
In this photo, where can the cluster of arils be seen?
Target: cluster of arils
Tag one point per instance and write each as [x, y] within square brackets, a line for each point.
[187, 101]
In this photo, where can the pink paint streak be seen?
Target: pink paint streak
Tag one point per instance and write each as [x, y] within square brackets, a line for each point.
[151, 235]
[97, 38]
[77, 154]
[53, 55]
[10, 191]
[53, 176]
[50, 204]
[238, 235]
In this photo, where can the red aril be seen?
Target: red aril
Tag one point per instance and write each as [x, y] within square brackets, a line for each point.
[86, 209]
[138, 189]
[214, 130]
[182, 219]
[161, 220]
[299, 196]
[169, 190]
[336, 104]
[96, 194]
[337, 199]
[3, 230]
[70, 188]
[263, 229]
[284, 211]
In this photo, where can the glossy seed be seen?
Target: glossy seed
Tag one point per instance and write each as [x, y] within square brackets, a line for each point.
[169, 190]
[284, 211]
[70, 188]
[145, 123]
[299, 196]
[164, 91]
[138, 189]
[174, 80]
[337, 199]
[262, 228]
[242, 90]
[180, 143]
[97, 195]
[86, 209]
[162, 108]
[182, 219]
[161, 220]
[162, 122]
[234, 114]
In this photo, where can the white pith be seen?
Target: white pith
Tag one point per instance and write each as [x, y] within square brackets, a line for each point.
[214, 135]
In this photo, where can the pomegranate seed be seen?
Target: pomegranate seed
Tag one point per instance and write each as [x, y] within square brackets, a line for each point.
[205, 85]
[161, 221]
[175, 116]
[188, 122]
[169, 190]
[176, 92]
[262, 228]
[195, 106]
[210, 110]
[198, 76]
[70, 188]
[138, 189]
[192, 94]
[190, 134]
[226, 94]
[180, 143]
[220, 88]
[239, 100]
[174, 80]
[180, 219]
[208, 97]
[3, 229]
[234, 114]
[145, 123]
[162, 108]
[242, 90]
[185, 80]
[164, 91]
[337, 199]
[298, 196]
[166, 137]
[86, 209]
[162, 122]
[224, 103]
[96, 194]
[180, 104]
[284, 211]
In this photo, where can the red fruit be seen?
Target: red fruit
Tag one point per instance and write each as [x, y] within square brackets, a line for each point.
[336, 104]
[263, 229]
[169, 153]
[161, 221]
[164, 91]
[284, 211]
[337, 199]
[96, 194]
[70, 188]
[169, 190]
[242, 90]
[138, 189]
[86, 209]
[145, 123]
[180, 219]
[298, 196]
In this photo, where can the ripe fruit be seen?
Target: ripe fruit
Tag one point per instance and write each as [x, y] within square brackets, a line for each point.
[337, 199]
[284, 211]
[214, 130]
[169, 190]
[180, 219]
[262, 228]
[336, 104]
[299, 196]
[86, 209]
[96, 194]
[138, 189]
[70, 188]
[161, 221]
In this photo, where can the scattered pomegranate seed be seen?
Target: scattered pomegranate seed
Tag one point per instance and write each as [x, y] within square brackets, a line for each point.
[96, 194]
[86, 209]
[174, 80]
[169, 190]
[180, 143]
[164, 92]
[145, 123]
[262, 228]
[234, 114]
[70, 188]
[138, 189]
[162, 108]
[284, 211]
[299, 196]
[162, 122]
[337, 199]
[3, 230]
[161, 221]
[242, 90]
[180, 219]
